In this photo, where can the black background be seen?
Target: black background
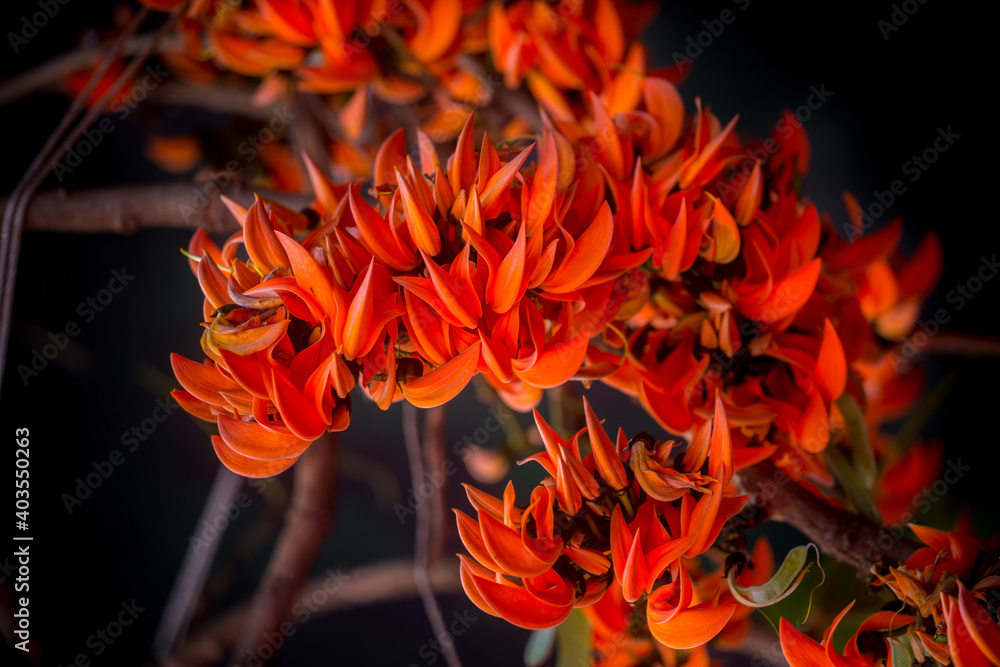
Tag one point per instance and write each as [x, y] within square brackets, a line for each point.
[890, 96]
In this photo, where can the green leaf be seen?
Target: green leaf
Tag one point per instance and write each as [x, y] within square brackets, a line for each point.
[862, 456]
[859, 496]
[785, 580]
[573, 636]
[539, 648]
[899, 655]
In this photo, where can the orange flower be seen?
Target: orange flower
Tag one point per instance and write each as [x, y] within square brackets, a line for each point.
[801, 651]
[593, 507]
[677, 619]
[643, 549]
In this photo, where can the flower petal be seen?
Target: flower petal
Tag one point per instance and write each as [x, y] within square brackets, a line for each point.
[445, 382]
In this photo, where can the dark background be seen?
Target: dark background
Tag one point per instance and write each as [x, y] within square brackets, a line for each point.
[127, 539]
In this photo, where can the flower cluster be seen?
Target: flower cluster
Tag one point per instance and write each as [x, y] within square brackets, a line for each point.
[474, 266]
[430, 61]
[768, 306]
[652, 512]
[618, 238]
[947, 609]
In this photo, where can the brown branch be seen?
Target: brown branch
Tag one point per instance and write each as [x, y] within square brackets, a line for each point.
[56, 69]
[12, 224]
[308, 524]
[848, 537]
[411, 434]
[434, 452]
[518, 103]
[962, 344]
[237, 101]
[335, 591]
[123, 210]
[191, 579]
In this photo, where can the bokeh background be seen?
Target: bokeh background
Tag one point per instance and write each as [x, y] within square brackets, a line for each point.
[126, 541]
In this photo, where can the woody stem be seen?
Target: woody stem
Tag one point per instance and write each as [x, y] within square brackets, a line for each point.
[411, 434]
[848, 537]
[308, 523]
[127, 209]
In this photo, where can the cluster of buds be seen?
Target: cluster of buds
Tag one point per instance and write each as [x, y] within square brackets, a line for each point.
[628, 517]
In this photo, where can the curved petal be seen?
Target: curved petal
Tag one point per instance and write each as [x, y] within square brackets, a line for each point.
[245, 466]
[445, 382]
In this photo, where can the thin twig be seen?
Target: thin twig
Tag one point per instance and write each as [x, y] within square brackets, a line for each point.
[411, 434]
[308, 524]
[434, 436]
[518, 103]
[56, 69]
[194, 570]
[126, 209]
[14, 212]
[963, 344]
[334, 591]
[309, 130]
[217, 97]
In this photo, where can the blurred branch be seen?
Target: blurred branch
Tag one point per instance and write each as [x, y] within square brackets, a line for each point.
[191, 579]
[366, 585]
[434, 452]
[963, 344]
[14, 211]
[518, 103]
[218, 98]
[848, 537]
[55, 70]
[308, 524]
[128, 209]
[309, 132]
[411, 434]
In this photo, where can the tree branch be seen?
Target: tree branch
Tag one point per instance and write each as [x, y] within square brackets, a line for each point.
[53, 71]
[194, 570]
[411, 433]
[848, 537]
[127, 209]
[434, 455]
[308, 524]
[369, 584]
